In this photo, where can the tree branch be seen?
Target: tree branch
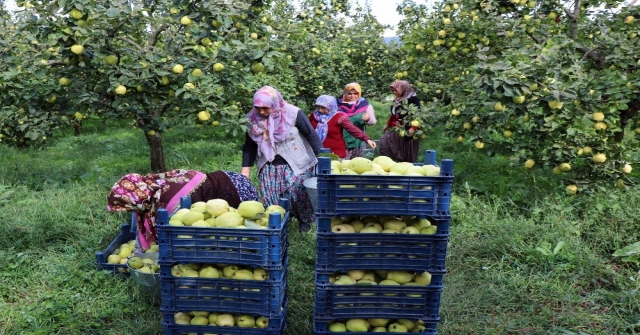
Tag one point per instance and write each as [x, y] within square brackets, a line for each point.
[566, 10]
[57, 63]
[573, 19]
[535, 39]
[115, 30]
[122, 38]
[593, 55]
[576, 8]
[154, 36]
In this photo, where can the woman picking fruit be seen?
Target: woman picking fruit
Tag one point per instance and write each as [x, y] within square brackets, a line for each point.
[144, 195]
[394, 144]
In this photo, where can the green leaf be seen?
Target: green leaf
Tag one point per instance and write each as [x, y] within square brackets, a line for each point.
[558, 247]
[622, 107]
[544, 251]
[632, 249]
[258, 54]
[113, 12]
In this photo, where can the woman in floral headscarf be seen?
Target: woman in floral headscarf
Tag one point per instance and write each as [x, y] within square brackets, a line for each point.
[330, 124]
[144, 195]
[360, 113]
[284, 146]
[395, 144]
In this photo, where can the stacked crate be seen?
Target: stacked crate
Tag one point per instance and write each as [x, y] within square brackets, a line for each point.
[398, 196]
[253, 248]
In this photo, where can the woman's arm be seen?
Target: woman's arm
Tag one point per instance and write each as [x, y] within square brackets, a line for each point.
[306, 130]
[346, 124]
[249, 153]
[371, 114]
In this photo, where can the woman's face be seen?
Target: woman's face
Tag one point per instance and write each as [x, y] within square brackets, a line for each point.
[352, 95]
[322, 110]
[396, 92]
[264, 111]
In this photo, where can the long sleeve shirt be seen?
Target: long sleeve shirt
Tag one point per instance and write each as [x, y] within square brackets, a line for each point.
[250, 147]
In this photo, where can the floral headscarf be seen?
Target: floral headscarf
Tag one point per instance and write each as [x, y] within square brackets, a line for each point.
[405, 90]
[332, 105]
[142, 194]
[267, 131]
[352, 107]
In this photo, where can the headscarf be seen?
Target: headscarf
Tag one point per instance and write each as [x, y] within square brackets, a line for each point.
[142, 194]
[267, 131]
[348, 88]
[405, 90]
[354, 107]
[323, 119]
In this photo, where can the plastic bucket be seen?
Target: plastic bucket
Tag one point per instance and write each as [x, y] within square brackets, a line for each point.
[147, 283]
[311, 184]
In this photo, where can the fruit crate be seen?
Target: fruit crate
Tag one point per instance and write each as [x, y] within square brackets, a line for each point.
[362, 251]
[127, 233]
[264, 297]
[264, 248]
[321, 327]
[276, 325]
[322, 278]
[378, 301]
[323, 223]
[392, 195]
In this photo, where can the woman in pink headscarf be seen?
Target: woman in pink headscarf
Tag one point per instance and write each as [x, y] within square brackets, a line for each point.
[284, 146]
[400, 148]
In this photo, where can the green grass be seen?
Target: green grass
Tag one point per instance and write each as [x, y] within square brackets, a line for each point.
[503, 277]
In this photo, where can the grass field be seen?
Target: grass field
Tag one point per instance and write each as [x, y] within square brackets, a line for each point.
[504, 276]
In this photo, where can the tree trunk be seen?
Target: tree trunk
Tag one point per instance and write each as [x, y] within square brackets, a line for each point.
[156, 153]
[625, 116]
[77, 128]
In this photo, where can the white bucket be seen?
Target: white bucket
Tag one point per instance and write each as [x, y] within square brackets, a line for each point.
[311, 184]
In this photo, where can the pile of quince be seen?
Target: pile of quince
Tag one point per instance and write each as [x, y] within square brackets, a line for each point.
[217, 213]
[381, 277]
[377, 325]
[384, 224]
[225, 271]
[202, 318]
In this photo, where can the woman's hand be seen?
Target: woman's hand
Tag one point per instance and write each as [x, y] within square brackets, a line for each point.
[245, 171]
[365, 117]
[411, 131]
[372, 144]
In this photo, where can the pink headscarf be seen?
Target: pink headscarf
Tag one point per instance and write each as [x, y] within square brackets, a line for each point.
[267, 131]
[405, 89]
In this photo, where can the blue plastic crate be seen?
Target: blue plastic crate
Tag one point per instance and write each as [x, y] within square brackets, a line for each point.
[322, 278]
[392, 195]
[276, 326]
[127, 233]
[263, 297]
[321, 327]
[360, 251]
[264, 248]
[378, 301]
